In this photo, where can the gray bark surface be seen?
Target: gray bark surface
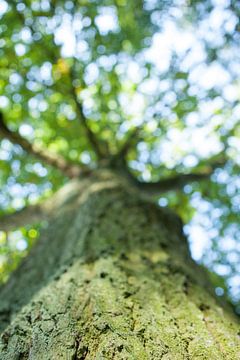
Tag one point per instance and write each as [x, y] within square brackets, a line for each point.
[111, 278]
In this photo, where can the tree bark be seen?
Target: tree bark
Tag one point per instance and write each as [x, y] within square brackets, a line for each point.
[111, 278]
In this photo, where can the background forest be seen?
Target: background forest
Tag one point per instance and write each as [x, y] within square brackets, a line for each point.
[155, 80]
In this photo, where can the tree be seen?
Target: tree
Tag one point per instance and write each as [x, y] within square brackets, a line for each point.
[111, 276]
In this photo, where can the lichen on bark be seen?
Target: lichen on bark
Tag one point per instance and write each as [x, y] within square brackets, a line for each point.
[111, 278]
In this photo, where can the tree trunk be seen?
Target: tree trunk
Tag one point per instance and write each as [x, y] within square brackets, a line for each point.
[111, 278]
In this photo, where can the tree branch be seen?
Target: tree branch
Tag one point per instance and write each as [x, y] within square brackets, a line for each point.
[171, 183]
[90, 134]
[51, 159]
[29, 215]
[179, 181]
[132, 138]
[44, 210]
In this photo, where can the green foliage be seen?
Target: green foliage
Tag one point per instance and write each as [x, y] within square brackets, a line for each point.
[171, 70]
[14, 246]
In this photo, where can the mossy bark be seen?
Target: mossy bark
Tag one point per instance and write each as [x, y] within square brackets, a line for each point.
[112, 278]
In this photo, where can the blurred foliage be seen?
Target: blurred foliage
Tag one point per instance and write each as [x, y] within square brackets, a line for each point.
[169, 67]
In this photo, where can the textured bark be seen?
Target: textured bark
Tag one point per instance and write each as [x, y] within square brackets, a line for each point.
[111, 278]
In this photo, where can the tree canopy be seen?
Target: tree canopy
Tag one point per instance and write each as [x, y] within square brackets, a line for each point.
[148, 87]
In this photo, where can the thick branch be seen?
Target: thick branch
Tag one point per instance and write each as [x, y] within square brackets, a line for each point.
[90, 134]
[29, 215]
[132, 139]
[45, 210]
[171, 183]
[51, 159]
[177, 182]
